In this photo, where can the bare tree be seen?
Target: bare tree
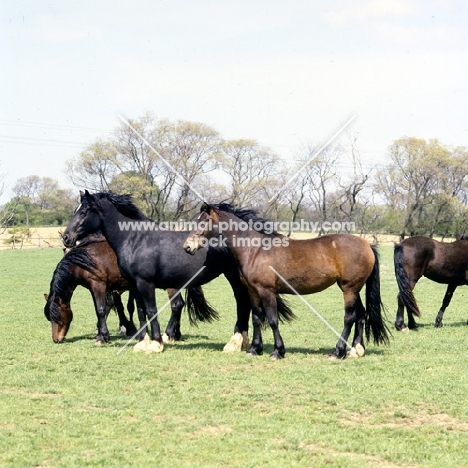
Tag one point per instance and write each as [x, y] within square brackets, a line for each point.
[6, 212]
[322, 178]
[250, 170]
[95, 167]
[352, 186]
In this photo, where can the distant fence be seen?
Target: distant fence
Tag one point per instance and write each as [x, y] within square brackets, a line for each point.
[40, 238]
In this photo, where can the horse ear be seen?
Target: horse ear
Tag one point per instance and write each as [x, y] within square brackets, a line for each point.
[85, 195]
[46, 297]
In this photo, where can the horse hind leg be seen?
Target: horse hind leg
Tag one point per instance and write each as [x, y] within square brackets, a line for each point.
[358, 350]
[445, 303]
[350, 318]
[400, 324]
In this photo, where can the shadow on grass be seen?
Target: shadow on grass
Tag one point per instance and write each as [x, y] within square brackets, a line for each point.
[446, 325]
[202, 342]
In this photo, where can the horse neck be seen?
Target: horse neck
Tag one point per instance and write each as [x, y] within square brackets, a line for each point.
[242, 252]
[67, 287]
[111, 222]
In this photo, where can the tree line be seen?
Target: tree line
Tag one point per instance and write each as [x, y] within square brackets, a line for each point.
[167, 166]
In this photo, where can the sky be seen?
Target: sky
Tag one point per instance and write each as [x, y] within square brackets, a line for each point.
[282, 73]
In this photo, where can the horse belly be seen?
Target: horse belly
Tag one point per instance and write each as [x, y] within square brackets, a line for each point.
[306, 284]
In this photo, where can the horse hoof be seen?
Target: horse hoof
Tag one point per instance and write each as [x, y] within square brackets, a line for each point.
[235, 343]
[360, 350]
[275, 356]
[168, 339]
[155, 347]
[405, 330]
[352, 353]
[140, 347]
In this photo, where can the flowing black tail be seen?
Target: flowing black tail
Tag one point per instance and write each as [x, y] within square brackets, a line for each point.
[406, 293]
[198, 308]
[374, 320]
[285, 313]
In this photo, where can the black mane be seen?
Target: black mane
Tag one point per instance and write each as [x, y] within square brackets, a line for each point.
[62, 277]
[244, 214]
[123, 204]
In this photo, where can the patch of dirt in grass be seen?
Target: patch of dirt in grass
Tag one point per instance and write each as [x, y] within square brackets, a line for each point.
[404, 419]
[373, 460]
[214, 431]
[16, 391]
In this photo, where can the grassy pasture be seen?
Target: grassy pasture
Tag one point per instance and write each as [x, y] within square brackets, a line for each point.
[77, 404]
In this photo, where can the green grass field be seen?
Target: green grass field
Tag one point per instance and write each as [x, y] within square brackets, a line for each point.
[77, 404]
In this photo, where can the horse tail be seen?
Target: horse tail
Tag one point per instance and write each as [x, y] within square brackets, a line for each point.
[285, 314]
[374, 320]
[198, 308]
[404, 286]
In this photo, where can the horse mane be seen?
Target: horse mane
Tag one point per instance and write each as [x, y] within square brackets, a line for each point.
[123, 204]
[62, 276]
[244, 214]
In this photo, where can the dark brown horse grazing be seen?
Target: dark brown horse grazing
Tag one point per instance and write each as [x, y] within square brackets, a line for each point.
[273, 264]
[93, 265]
[417, 256]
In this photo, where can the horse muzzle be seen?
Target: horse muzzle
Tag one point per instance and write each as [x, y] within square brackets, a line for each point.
[191, 246]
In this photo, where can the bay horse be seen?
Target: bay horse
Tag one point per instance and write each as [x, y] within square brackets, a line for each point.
[150, 256]
[272, 264]
[93, 265]
[442, 262]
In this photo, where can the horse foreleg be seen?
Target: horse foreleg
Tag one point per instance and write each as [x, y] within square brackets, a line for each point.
[445, 303]
[130, 327]
[102, 310]
[147, 293]
[141, 312]
[240, 338]
[172, 332]
[256, 347]
[269, 306]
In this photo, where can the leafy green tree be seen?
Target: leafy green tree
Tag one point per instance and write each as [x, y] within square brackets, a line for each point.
[420, 184]
[39, 201]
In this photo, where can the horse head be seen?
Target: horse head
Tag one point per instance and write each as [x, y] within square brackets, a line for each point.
[85, 220]
[60, 315]
[206, 226]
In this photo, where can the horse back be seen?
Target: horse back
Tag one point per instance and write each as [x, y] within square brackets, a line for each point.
[107, 270]
[442, 262]
[159, 257]
[315, 264]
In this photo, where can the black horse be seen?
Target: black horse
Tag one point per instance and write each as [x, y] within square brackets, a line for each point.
[445, 263]
[150, 257]
[93, 265]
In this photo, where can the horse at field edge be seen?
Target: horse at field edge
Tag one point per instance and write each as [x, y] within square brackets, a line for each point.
[442, 262]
